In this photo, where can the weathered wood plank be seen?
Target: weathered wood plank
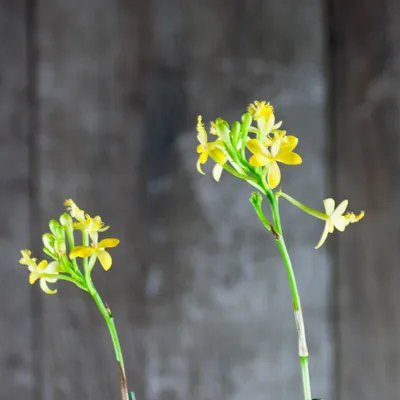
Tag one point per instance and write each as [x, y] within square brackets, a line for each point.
[221, 318]
[16, 365]
[88, 74]
[365, 39]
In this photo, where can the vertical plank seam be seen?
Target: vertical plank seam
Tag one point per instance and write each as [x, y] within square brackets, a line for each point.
[34, 211]
[331, 38]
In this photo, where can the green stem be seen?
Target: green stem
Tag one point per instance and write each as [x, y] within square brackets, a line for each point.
[303, 351]
[308, 210]
[106, 313]
[64, 278]
[305, 377]
[276, 229]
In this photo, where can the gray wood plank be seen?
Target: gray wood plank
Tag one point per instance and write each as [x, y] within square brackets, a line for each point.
[366, 81]
[221, 317]
[201, 315]
[88, 75]
[16, 363]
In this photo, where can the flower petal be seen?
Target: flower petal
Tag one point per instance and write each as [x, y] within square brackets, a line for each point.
[81, 251]
[258, 161]
[45, 288]
[331, 226]
[203, 157]
[53, 268]
[201, 132]
[198, 166]
[200, 149]
[274, 175]
[289, 144]
[276, 146]
[109, 242]
[217, 172]
[218, 155]
[340, 223]
[33, 277]
[104, 258]
[329, 205]
[257, 148]
[323, 237]
[289, 158]
[341, 208]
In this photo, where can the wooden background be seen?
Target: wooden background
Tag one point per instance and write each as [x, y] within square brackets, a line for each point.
[98, 100]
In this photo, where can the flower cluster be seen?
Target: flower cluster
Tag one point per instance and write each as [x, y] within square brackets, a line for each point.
[252, 149]
[60, 239]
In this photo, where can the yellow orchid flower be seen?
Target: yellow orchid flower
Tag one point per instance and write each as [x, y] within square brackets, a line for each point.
[352, 218]
[263, 114]
[260, 109]
[92, 226]
[282, 152]
[209, 149]
[74, 210]
[98, 249]
[336, 219]
[38, 270]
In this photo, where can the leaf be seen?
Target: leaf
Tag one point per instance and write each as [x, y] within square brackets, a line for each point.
[131, 396]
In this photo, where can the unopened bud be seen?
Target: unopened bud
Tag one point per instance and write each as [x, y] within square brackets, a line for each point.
[56, 229]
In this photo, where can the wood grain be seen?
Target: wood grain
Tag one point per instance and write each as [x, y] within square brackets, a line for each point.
[16, 308]
[365, 43]
[88, 146]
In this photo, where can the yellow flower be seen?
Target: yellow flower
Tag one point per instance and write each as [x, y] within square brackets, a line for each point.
[74, 210]
[92, 226]
[282, 152]
[260, 109]
[213, 129]
[336, 219]
[208, 149]
[352, 218]
[38, 270]
[98, 249]
[263, 113]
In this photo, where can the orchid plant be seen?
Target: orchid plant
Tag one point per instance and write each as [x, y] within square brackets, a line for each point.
[251, 150]
[59, 245]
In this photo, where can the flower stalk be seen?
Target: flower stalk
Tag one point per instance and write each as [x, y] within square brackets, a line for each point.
[268, 145]
[276, 229]
[65, 266]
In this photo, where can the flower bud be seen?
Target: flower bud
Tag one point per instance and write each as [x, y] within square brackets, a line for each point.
[256, 200]
[235, 133]
[223, 130]
[50, 253]
[56, 229]
[246, 123]
[66, 222]
[60, 247]
[48, 241]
